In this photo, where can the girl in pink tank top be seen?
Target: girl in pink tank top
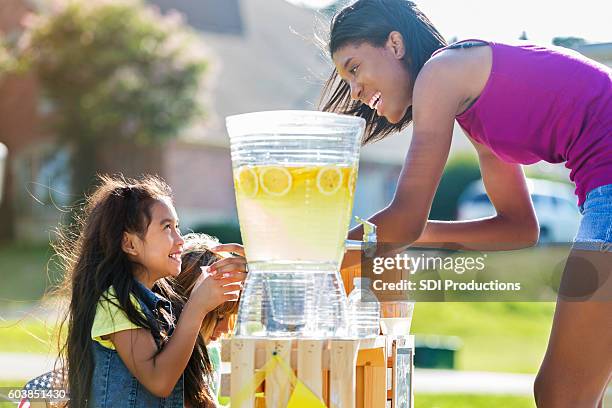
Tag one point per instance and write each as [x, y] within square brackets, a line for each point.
[518, 105]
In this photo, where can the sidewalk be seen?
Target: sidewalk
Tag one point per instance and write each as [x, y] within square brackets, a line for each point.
[23, 365]
[429, 381]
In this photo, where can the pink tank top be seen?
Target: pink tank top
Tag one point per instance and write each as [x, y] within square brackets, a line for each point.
[546, 104]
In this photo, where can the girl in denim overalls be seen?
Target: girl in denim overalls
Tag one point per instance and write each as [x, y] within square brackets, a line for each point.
[132, 340]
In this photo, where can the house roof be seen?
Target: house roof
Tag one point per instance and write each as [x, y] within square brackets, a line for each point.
[207, 15]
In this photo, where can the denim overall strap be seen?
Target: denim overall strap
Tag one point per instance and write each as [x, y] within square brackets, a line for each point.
[151, 304]
[113, 386]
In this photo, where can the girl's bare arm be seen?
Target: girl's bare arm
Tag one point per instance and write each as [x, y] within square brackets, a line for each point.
[136, 347]
[515, 224]
[438, 93]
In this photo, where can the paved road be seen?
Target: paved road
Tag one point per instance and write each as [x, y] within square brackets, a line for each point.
[472, 382]
[23, 365]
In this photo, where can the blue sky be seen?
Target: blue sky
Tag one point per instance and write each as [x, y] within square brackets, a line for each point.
[506, 19]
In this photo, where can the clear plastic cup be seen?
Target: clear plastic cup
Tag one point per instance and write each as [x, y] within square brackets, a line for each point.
[396, 317]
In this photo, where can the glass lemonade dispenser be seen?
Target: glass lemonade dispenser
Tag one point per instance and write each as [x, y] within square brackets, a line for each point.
[294, 177]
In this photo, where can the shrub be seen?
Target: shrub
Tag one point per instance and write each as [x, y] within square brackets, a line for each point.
[225, 232]
[461, 170]
[114, 71]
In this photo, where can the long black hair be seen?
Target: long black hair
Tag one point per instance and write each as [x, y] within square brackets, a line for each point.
[371, 21]
[94, 261]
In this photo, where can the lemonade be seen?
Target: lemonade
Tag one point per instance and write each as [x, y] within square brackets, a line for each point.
[294, 178]
[294, 213]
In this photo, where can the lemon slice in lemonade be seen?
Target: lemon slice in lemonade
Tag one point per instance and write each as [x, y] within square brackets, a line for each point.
[329, 180]
[275, 181]
[351, 181]
[247, 181]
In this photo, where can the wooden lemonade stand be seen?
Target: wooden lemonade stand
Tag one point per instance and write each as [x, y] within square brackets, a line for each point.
[344, 373]
[295, 174]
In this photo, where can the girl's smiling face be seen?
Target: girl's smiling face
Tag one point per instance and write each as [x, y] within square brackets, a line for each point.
[378, 76]
[159, 251]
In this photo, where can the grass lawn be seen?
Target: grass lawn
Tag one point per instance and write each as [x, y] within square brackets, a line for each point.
[508, 337]
[26, 272]
[27, 336]
[7, 385]
[471, 401]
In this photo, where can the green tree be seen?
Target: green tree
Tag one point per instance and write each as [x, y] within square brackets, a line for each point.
[114, 72]
[5, 59]
[9, 63]
[461, 170]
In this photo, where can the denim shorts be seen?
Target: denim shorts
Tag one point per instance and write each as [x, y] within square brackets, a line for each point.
[595, 230]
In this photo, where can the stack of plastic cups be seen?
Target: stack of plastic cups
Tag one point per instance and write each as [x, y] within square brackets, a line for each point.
[396, 317]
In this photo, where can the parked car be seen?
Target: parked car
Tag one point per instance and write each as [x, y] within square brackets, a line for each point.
[554, 203]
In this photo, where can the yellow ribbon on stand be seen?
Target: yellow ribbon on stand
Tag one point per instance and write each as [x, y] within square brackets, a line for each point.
[301, 396]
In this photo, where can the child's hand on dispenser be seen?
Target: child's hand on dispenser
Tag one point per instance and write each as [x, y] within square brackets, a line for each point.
[233, 262]
[220, 282]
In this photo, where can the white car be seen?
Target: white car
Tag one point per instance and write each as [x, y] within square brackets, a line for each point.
[554, 203]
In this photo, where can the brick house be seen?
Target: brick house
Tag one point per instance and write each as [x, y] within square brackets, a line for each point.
[21, 127]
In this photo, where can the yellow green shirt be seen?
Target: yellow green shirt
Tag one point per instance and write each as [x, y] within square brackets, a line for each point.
[110, 318]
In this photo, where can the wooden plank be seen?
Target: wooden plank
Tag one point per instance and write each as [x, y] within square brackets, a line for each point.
[261, 356]
[326, 386]
[375, 379]
[260, 403]
[348, 274]
[226, 384]
[342, 373]
[373, 343]
[310, 364]
[373, 357]
[226, 349]
[278, 383]
[371, 378]
[243, 366]
[359, 387]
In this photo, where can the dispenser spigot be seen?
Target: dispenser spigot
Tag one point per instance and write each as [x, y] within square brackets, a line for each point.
[368, 244]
